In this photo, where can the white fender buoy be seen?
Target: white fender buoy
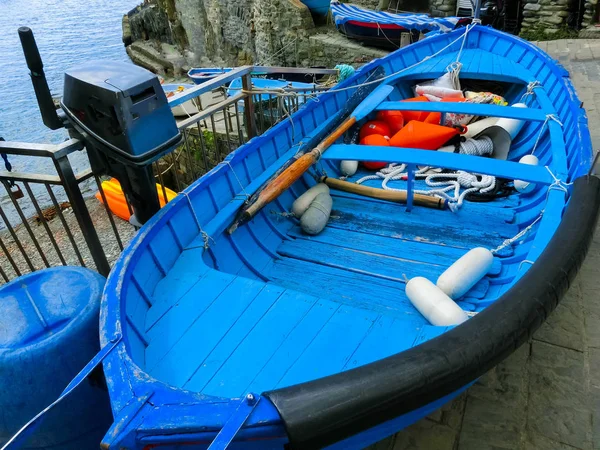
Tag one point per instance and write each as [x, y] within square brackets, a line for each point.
[526, 187]
[348, 168]
[465, 272]
[316, 216]
[513, 126]
[302, 203]
[439, 309]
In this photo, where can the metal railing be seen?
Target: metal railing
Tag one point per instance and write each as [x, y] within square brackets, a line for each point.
[53, 219]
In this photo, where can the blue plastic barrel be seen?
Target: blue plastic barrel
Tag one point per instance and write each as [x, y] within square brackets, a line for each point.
[48, 332]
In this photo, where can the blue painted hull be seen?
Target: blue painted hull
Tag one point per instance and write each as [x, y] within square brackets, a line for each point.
[320, 327]
[319, 7]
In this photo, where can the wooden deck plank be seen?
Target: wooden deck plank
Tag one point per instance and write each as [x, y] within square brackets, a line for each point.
[246, 360]
[332, 347]
[213, 336]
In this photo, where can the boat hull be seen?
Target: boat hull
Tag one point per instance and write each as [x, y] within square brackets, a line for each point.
[319, 327]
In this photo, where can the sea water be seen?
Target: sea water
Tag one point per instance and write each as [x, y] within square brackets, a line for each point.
[68, 32]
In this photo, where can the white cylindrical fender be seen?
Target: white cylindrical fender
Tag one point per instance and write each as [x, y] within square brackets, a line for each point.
[513, 126]
[348, 168]
[302, 203]
[439, 309]
[316, 216]
[526, 187]
[465, 272]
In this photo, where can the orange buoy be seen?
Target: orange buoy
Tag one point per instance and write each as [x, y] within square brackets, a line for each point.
[394, 120]
[379, 140]
[415, 115]
[116, 198]
[375, 127]
[427, 136]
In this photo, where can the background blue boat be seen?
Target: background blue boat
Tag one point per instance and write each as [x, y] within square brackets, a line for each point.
[318, 7]
[268, 336]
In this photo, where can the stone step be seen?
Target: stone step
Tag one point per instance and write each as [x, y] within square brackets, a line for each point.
[150, 53]
[142, 60]
[332, 48]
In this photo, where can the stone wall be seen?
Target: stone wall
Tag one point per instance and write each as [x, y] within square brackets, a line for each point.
[442, 8]
[590, 15]
[229, 32]
[550, 15]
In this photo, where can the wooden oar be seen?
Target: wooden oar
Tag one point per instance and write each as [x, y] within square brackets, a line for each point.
[301, 165]
[392, 196]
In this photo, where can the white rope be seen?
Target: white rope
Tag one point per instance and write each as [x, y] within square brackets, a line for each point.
[558, 184]
[530, 87]
[518, 236]
[463, 36]
[444, 182]
[237, 178]
[548, 117]
[205, 236]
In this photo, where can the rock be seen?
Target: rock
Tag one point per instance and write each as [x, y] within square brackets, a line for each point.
[532, 7]
[446, 8]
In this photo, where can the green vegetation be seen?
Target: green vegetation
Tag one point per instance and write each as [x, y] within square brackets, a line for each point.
[539, 33]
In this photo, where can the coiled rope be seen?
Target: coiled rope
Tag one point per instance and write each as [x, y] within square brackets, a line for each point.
[444, 182]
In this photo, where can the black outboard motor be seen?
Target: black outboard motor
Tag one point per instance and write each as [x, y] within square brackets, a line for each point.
[121, 113]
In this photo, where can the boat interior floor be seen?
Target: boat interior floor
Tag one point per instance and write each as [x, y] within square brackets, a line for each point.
[294, 307]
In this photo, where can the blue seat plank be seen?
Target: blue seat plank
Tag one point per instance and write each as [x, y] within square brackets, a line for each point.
[357, 261]
[455, 161]
[390, 246]
[376, 219]
[339, 285]
[219, 332]
[477, 109]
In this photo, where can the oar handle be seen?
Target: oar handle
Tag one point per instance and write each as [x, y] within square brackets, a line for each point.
[290, 175]
[281, 183]
[337, 133]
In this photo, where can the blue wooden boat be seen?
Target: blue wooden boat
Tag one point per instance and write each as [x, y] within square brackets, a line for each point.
[386, 29]
[318, 7]
[269, 337]
[201, 75]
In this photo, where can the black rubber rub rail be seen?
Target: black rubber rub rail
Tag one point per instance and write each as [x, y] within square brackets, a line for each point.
[324, 411]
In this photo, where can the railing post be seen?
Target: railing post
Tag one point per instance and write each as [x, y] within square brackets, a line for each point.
[65, 172]
[249, 106]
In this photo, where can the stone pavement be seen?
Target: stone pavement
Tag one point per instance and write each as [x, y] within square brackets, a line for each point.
[546, 396]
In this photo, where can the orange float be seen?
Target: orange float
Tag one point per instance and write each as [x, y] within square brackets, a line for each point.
[427, 136]
[394, 120]
[379, 140]
[116, 198]
[436, 117]
[375, 127]
[415, 115]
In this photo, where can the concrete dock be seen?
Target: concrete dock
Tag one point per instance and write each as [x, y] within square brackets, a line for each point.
[546, 396]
